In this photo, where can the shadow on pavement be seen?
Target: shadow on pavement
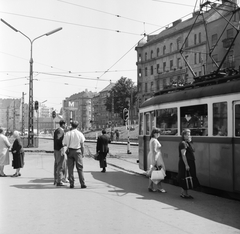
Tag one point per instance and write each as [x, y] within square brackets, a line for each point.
[209, 207]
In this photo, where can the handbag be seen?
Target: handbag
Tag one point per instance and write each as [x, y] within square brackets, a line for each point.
[96, 157]
[158, 175]
[187, 182]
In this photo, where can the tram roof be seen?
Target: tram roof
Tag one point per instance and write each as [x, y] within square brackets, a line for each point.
[195, 92]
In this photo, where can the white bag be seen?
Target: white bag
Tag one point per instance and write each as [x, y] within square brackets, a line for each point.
[157, 176]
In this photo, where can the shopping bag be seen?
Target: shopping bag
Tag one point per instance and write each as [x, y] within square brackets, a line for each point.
[96, 157]
[187, 182]
[158, 175]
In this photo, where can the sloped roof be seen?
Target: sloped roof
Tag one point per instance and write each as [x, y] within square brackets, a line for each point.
[108, 88]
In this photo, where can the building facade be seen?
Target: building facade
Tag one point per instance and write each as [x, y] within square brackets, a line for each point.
[79, 107]
[160, 63]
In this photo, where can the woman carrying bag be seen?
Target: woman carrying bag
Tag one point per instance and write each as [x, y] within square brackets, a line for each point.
[186, 165]
[18, 154]
[155, 160]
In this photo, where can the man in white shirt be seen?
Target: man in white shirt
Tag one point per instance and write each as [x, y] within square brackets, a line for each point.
[74, 140]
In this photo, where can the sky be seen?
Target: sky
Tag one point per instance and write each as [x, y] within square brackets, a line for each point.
[96, 45]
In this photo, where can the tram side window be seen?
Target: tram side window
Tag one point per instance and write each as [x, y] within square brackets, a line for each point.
[220, 119]
[195, 118]
[141, 124]
[237, 120]
[147, 124]
[166, 120]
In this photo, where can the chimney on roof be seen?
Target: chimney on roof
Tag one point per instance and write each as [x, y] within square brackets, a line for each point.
[176, 22]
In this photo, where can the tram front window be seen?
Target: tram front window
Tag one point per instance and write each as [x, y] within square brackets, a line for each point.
[195, 118]
[166, 120]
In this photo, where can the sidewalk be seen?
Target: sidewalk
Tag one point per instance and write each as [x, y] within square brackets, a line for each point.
[114, 202]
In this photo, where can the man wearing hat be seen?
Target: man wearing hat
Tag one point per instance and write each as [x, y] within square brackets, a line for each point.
[58, 153]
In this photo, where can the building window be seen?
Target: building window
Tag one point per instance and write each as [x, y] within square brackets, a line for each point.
[195, 39]
[171, 64]
[151, 86]
[158, 52]
[195, 58]
[230, 33]
[164, 66]
[164, 50]
[139, 72]
[139, 87]
[146, 71]
[199, 37]
[200, 73]
[151, 70]
[178, 62]
[158, 67]
[200, 57]
[139, 57]
[171, 47]
[178, 43]
[145, 56]
[151, 54]
[145, 87]
[214, 39]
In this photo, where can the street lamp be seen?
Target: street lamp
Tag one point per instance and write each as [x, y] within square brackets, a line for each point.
[30, 112]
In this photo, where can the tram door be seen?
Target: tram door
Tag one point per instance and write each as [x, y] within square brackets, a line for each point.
[236, 145]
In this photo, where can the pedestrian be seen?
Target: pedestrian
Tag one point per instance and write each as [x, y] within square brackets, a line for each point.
[59, 154]
[18, 154]
[117, 135]
[74, 140]
[155, 159]
[102, 149]
[4, 152]
[186, 163]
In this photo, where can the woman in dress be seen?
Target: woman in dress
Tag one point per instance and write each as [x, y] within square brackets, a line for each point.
[155, 159]
[4, 153]
[18, 154]
[186, 163]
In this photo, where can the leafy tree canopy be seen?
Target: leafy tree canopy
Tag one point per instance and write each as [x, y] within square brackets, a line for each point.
[123, 93]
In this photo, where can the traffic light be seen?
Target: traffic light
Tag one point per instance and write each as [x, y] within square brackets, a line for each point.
[36, 105]
[54, 114]
[125, 115]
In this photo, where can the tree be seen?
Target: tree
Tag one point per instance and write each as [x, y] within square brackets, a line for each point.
[122, 93]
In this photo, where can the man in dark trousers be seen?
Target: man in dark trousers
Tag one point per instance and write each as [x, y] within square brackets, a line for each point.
[58, 153]
[102, 149]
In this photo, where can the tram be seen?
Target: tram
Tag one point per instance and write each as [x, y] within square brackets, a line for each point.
[211, 110]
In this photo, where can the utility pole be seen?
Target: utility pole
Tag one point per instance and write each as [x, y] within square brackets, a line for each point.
[14, 113]
[23, 117]
[7, 117]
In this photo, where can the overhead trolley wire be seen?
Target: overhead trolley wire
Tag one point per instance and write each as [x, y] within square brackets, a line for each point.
[119, 16]
[74, 24]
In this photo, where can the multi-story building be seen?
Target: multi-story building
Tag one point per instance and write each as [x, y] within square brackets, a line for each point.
[220, 38]
[160, 62]
[11, 114]
[79, 107]
[181, 52]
